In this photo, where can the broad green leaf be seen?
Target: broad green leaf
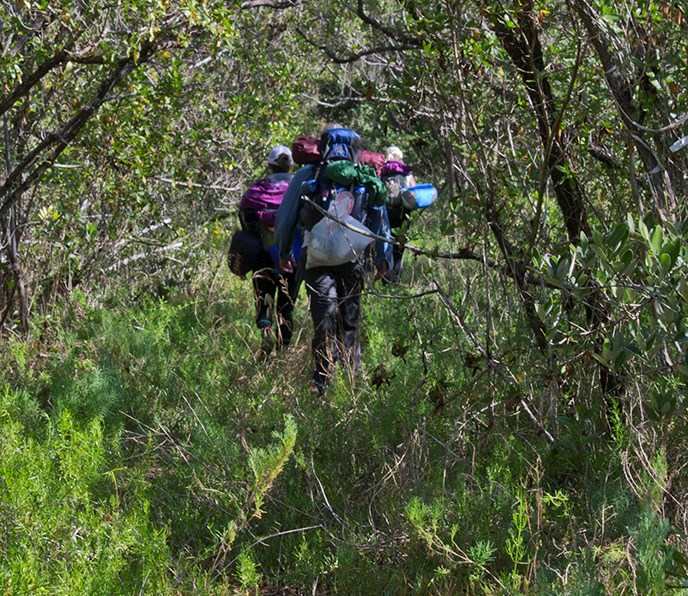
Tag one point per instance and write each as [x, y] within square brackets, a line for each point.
[657, 239]
[665, 262]
[618, 235]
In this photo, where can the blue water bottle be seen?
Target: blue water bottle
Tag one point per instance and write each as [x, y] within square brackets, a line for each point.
[359, 209]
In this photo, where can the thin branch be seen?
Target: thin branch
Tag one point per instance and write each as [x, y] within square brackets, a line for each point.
[55, 143]
[388, 31]
[142, 255]
[268, 4]
[194, 184]
[355, 56]
[277, 535]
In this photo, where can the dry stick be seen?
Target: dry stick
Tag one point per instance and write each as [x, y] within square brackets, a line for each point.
[164, 223]
[190, 184]
[142, 255]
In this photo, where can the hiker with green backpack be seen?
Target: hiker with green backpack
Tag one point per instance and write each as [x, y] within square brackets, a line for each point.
[338, 203]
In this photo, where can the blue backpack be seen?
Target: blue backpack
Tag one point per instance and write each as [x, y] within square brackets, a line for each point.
[335, 144]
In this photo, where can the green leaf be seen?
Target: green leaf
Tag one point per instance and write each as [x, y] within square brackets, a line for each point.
[657, 239]
[602, 359]
[665, 262]
[644, 232]
[627, 257]
[618, 235]
[583, 242]
[673, 249]
[620, 359]
[633, 349]
[563, 268]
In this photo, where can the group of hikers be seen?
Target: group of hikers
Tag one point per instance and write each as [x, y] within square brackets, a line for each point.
[326, 225]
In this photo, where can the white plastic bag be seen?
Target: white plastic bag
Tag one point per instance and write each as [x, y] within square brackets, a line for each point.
[332, 243]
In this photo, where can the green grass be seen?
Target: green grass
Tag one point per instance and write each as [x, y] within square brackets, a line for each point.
[144, 449]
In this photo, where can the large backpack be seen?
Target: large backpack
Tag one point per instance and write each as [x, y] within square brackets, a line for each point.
[306, 150]
[257, 212]
[335, 188]
[337, 144]
[394, 174]
[260, 202]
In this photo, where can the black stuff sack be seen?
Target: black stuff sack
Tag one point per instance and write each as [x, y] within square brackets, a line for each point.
[244, 252]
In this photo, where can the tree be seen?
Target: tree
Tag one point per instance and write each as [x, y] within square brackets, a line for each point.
[546, 157]
[125, 128]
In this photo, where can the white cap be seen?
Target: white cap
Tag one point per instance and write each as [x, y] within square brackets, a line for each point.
[276, 152]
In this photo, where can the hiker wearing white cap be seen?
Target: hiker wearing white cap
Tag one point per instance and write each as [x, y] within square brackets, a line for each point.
[274, 289]
[397, 176]
[280, 158]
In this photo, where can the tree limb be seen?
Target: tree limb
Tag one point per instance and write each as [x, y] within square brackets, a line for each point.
[55, 143]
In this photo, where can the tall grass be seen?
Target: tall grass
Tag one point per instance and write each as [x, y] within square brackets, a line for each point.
[144, 449]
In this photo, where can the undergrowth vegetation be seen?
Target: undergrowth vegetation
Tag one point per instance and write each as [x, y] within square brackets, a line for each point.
[143, 448]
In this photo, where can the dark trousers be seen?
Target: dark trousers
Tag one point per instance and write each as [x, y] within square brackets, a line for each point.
[398, 217]
[275, 295]
[397, 255]
[335, 305]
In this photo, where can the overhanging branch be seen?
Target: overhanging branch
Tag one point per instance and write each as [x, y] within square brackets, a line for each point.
[34, 165]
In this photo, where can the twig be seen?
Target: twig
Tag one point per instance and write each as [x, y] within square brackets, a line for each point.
[194, 184]
[142, 255]
[277, 535]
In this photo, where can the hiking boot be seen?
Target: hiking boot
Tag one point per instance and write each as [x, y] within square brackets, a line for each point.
[318, 389]
[267, 342]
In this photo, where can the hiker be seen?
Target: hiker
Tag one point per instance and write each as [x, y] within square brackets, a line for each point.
[337, 184]
[397, 176]
[274, 288]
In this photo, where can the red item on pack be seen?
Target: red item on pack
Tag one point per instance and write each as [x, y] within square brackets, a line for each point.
[372, 159]
[305, 150]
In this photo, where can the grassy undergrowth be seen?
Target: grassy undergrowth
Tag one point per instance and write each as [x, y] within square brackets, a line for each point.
[144, 449]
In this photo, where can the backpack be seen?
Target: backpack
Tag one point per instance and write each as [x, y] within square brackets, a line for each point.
[372, 159]
[244, 252]
[305, 150]
[260, 202]
[337, 144]
[394, 174]
[257, 212]
[334, 189]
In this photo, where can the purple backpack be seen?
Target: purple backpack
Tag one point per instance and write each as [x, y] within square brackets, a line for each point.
[395, 168]
[263, 197]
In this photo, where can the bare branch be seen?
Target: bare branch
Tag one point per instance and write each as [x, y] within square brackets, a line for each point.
[276, 4]
[55, 143]
[355, 56]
